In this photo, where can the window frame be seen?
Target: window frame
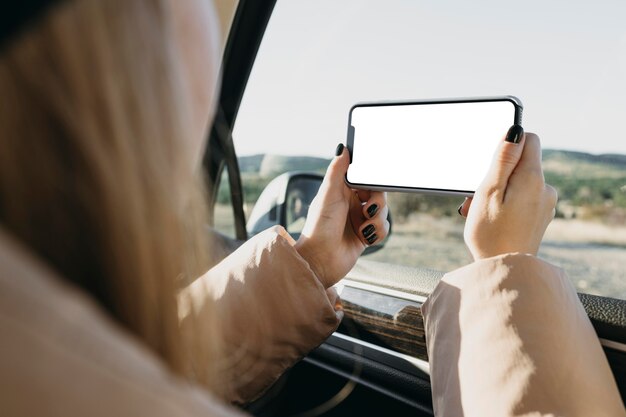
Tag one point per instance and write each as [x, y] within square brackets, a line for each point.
[246, 32]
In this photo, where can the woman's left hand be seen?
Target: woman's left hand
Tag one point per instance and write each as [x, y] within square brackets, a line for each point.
[341, 223]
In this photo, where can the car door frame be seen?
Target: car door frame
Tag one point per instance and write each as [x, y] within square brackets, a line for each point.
[246, 32]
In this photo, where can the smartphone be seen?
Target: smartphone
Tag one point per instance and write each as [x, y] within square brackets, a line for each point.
[431, 146]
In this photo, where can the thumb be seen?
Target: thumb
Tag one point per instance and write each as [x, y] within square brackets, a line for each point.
[505, 159]
[338, 167]
[530, 161]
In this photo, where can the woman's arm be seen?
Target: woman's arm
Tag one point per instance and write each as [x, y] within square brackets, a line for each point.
[273, 296]
[271, 311]
[507, 335]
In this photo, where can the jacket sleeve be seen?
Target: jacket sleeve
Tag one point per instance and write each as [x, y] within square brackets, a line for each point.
[507, 336]
[62, 355]
[271, 311]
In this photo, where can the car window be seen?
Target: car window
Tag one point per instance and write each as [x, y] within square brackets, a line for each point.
[224, 216]
[566, 60]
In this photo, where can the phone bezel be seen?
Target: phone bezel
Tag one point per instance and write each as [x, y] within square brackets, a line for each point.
[517, 103]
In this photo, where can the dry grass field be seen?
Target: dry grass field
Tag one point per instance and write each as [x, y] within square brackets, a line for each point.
[588, 239]
[592, 254]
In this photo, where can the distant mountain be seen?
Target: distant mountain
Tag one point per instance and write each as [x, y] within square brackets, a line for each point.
[560, 162]
[613, 159]
[596, 183]
[268, 165]
[250, 163]
[584, 165]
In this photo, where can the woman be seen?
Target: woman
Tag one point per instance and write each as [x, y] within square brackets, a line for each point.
[103, 115]
[102, 312]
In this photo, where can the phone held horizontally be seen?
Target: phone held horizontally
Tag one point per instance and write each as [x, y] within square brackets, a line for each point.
[440, 146]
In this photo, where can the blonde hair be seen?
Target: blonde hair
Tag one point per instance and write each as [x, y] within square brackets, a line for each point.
[95, 171]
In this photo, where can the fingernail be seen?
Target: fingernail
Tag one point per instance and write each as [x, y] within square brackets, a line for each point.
[459, 210]
[339, 149]
[371, 210]
[371, 239]
[368, 231]
[515, 133]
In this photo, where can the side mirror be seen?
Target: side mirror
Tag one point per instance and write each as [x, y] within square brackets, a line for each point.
[286, 200]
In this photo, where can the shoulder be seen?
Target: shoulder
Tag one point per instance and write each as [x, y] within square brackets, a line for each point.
[61, 354]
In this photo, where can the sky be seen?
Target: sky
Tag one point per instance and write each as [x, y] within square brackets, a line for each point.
[565, 60]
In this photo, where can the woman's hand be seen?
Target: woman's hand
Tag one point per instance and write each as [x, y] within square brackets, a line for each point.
[341, 223]
[513, 206]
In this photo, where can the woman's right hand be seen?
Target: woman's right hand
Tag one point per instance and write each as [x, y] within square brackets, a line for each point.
[513, 206]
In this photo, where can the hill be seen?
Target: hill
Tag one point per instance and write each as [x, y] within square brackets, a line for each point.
[250, 163]
[269, 165]
[555, 161]
[613, 159]
[584, 165]
[589, 186]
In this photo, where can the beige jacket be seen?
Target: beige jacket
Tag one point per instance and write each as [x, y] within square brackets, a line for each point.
[493, 351]
[60, 355]
[507, 336]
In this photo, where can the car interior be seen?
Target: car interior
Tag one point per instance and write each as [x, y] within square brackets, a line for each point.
[376, 363]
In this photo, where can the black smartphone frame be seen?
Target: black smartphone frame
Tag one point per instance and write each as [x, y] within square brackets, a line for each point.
[519, 109]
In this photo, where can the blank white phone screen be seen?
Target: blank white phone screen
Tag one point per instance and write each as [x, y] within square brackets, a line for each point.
[443, 146]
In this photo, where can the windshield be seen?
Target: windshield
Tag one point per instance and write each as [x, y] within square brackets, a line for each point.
[565, 60]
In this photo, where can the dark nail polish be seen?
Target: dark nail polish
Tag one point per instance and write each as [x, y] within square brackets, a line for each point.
[515, 133]
[371, 210]
[459, 210]
[368, 231]
[371, 239]
[339, 149]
